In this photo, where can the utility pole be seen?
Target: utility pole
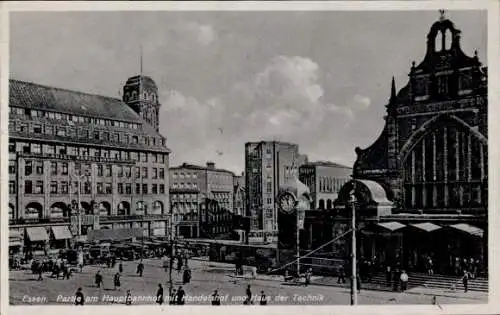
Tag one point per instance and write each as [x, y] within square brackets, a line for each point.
[298, 244]
[354, 289]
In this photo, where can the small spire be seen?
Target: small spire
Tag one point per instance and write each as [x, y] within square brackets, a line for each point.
[393, 91]
[442, 15]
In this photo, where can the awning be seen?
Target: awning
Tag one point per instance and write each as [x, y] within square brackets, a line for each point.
[391, 226]
[472, 230]
[426, 226]
[37, 234]
[61, 232]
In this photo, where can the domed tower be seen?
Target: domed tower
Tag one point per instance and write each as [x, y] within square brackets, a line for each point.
[141, 94]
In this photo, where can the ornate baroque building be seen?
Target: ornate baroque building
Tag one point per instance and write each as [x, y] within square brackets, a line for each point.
[428, 169]
[67, 147]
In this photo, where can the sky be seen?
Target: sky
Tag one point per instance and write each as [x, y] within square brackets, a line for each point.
[318, 79]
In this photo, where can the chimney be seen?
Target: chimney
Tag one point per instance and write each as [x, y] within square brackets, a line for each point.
[210, 165]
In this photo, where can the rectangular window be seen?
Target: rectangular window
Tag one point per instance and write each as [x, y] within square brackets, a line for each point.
[28, 187]
[162, 188]
[105, 136]
[39, 167]
[128, 189]
[133, 156]
[135, 139]
[100, 188]
[61, 131]
[120, 188]
[144, 172]
[36, 148]
[53, 187]
[137, 189]
[53, 168]
[154, 189]
[12, 167]
[162, 173]
[120, 171]
[100, 169]
[12, 147]
[37, 129]
[108, 171]
[127, 170]
[12, 187]
[96, 135]
[64, 168]
[116, 137]
[145, 189]
[28, 168]
[155, 173]
[269, 187]
[108, 188]
[64, 187]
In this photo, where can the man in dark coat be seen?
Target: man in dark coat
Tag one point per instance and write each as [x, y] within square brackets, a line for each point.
[79, 298]
[116, 281]
[159, 294]
[465, 281]
[98, 279]
[180, 296]
[140, 268]
[263, 298]
[173, 297]
[215, 298]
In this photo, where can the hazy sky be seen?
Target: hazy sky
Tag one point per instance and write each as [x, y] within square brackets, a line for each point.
[319, 79]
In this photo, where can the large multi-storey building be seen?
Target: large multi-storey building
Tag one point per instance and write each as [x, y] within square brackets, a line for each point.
[201, 200]
[268, 164]
[425, 178]
[72, 151]
[324, 180]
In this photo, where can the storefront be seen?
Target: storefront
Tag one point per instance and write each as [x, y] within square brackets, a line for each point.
[60, 237]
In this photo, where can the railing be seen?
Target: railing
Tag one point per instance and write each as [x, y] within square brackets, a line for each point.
[38, 220]
[75, 158]
[132, 217]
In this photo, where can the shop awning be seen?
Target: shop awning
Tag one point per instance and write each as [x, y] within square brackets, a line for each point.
[37, 234]
[61, 232]
[472, 230]
[391, 226]
[426, 226]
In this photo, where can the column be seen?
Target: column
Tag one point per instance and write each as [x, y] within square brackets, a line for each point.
[481, 160]
[457, 155]
[445, 165]
[434, 175]
[424, 180]
[469, 158]
[115, 200]
[413, 192]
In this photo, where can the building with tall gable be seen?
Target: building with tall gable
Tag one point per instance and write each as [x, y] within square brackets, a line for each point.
[72, 152]
[422, 186]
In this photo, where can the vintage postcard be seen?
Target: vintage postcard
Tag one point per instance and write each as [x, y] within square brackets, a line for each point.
[272, 157]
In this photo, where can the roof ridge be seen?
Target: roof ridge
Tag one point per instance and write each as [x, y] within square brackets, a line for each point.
[65, 89]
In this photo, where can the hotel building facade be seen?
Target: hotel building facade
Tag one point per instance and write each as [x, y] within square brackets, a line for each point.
[88, 161]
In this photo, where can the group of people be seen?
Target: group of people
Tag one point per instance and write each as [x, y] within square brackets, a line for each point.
[59, 268]
[177, 297]
[396, 277]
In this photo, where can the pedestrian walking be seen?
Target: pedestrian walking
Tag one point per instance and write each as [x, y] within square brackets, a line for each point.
[120, 267]
[404, 280]
[341, 276]
[180, 296]
[186, 277]
[248, 300]
[173, 297]
[263, 298]
[159, 294]
[215, 298]
[308, 277]
[116, 281]
[430, 267]
[98, 279]
[128, 299]
[358, 284]
[388, 275]
[465, 281]
[473, 268]
[140, 268]
[40, 272]
[79, 298]
[254, 272]
[396, 276]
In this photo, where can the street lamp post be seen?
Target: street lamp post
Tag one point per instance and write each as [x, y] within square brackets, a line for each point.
[354, 289]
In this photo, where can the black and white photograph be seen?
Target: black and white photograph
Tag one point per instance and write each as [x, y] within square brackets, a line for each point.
[235, 157]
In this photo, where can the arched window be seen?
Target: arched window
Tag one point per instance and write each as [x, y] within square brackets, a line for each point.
[448, 39]
[329, 204]
[134, 95]
[438, 42]
[322, 204]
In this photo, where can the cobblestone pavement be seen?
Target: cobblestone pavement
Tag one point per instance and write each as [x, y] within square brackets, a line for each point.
[206, 277]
